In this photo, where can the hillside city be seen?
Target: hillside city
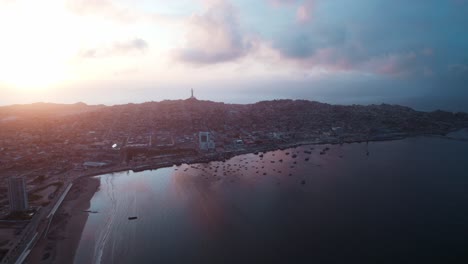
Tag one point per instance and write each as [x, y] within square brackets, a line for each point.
[51, 145]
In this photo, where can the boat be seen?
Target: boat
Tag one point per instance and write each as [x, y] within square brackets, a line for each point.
[132, 218]
[89, 211]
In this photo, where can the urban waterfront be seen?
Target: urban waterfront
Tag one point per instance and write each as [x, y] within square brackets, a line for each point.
[400, 201]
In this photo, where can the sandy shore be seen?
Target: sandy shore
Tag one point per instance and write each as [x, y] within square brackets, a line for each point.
[65, 231]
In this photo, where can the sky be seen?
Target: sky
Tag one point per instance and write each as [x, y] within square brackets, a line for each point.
[413, 53]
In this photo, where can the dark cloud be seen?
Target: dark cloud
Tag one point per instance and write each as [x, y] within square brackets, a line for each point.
[415, 49]
[302, 42]
[131, 47]
[384, 37]
[214, 36]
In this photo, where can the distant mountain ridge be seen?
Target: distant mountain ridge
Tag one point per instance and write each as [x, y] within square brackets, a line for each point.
[213, 114]
[42, 109]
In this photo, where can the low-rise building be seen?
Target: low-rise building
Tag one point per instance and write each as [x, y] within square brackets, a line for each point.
[205, 141]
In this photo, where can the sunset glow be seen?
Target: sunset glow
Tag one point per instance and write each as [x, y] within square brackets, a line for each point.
[233, 131]
[63, 50]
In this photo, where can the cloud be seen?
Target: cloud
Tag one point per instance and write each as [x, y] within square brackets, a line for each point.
[214, 36]
[104, 8]
[135, 44]
[302, 42]
[459, 69]
[278, 3]
[304, 11]
[130, 47]
[396, 38]
[108, 9]
[393, 64]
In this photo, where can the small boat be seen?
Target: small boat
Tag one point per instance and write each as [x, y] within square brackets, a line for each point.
[89, 211]
[132, 218]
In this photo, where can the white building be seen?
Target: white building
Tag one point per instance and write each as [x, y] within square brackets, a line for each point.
[205, 141]
[17, 194]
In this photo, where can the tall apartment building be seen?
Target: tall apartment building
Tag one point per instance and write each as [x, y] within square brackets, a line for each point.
[17, 194]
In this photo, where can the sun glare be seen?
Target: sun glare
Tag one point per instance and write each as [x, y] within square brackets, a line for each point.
[33, 74]
[34, 51]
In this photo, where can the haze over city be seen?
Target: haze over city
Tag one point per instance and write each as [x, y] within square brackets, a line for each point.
[241, 51]
[233, 131]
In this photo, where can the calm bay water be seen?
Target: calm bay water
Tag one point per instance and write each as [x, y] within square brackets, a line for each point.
[406, 202]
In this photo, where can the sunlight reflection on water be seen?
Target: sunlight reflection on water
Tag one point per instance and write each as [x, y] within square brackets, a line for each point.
[280, 206]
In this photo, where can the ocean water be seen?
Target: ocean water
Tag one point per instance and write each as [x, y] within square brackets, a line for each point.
[405, 202]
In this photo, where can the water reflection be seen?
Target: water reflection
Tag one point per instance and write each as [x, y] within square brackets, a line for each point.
[295, 205]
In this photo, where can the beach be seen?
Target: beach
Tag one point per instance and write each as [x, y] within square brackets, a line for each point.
[65, 230]
[295, 204]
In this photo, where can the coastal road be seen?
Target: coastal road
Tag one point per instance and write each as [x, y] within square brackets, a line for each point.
[42, 228]
[27, 250]
[50, 216]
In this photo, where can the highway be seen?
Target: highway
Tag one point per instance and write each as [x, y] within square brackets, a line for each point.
[50, 216]
[26, 251]
[39, 229]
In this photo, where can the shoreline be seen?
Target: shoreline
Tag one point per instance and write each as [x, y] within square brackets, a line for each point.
[223, 156]
[71, 217]
[63, 239]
